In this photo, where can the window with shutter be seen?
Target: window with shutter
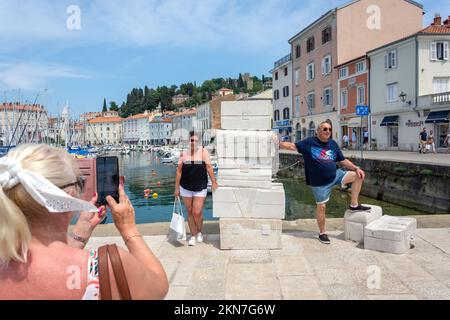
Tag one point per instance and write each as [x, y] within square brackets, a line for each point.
[297, 51]
[297, 77]
[433, 51]
[386, 61]
[310, 44]
[393, 59]
[446, 51]
[297, 106]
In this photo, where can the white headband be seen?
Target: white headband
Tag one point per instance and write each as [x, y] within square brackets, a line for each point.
[40, 189]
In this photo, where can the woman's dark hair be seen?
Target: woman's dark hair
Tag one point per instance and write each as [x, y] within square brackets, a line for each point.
[192, 134]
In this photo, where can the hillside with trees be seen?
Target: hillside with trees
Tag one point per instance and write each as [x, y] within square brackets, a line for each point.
[142, 99]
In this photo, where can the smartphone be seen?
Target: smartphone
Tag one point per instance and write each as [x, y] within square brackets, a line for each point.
[107, 179]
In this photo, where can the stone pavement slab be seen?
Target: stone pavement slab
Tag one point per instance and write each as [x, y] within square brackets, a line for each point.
[303, 269]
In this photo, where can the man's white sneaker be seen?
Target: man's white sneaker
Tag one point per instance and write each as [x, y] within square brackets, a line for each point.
[199, 237]
[192, 241]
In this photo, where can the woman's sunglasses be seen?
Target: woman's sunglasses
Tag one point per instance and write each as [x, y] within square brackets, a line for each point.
[326, 129]
[81, 183]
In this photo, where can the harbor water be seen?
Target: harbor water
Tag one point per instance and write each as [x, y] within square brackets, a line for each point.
[137, 169]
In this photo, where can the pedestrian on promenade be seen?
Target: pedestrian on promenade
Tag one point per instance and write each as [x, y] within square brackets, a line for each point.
[321, 154]
[366, 138]
[447, 142]
[423, 139]
[354, 140]
[40, 189]
[191, 183]
[430, 142]
[346, 141]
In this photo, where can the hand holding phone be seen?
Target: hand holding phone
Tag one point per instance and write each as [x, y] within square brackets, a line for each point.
[107, 179]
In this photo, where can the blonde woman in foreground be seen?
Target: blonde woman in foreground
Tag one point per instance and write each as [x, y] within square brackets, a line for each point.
[40, 187]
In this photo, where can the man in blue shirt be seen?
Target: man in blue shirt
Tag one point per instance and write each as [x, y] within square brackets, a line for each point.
[321, 154]
[423, 140]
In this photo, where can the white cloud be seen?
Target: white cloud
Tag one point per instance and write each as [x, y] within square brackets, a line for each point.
[34, 76]
[230, 25]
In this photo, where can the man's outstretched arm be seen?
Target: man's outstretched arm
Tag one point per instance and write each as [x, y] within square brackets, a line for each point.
[288, 146]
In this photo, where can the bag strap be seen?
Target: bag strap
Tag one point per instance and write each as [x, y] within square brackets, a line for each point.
[180, 206]
[119, 272]
[105, 285]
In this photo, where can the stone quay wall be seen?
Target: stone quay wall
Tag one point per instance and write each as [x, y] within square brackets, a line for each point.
[417, 186]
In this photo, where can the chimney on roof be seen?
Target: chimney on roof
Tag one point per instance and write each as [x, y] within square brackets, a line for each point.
[447, 22]
[437, 20]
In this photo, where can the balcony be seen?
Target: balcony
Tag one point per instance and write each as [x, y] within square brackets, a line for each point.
[283, 60]
[434, 101]
[440, 98]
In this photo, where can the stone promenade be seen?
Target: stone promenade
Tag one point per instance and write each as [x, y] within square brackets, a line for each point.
[442, 159]
[304, 269]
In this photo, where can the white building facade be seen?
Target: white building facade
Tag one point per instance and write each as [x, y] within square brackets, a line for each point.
[136, 129]
[204, 122]
[410, 89]
[160, 131]
[30, 123]
[282, 98]
[104, 131]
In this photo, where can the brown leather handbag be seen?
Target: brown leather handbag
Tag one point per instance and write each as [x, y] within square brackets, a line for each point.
[119, 273]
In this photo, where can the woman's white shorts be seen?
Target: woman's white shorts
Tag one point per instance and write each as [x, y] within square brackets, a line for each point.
[190, 194]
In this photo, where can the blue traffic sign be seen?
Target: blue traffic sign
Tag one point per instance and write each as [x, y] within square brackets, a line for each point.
[362, 111]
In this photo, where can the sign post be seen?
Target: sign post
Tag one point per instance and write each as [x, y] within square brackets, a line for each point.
[362, 111]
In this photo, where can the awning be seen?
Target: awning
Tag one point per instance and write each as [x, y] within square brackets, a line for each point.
[134, 140]
[390, 121]
[354, 123]
[438, 117]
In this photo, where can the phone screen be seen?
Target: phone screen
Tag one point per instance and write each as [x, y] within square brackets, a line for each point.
[107, 179]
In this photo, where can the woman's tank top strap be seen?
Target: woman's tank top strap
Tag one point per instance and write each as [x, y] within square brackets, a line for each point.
[93, 284]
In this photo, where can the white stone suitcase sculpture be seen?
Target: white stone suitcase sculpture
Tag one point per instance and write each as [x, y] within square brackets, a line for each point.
[247, 115]
[390, 234]
[354, 222]
[256, 203]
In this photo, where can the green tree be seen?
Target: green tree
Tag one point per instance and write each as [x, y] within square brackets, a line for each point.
[104, 105]
[113, 106]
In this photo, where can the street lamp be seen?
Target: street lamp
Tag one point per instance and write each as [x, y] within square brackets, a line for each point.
[403, 98]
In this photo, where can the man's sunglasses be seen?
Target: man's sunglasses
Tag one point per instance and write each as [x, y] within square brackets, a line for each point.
[326, 129]
[193, 140]
[80, 183]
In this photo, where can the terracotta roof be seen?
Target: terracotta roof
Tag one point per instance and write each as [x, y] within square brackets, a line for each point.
[105, 120]
[17, 107]
[138, 116]
[185, 113]
[167, 120]
[442, 29]
[351, 61]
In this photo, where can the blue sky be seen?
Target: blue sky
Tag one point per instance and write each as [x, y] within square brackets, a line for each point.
[126, 44]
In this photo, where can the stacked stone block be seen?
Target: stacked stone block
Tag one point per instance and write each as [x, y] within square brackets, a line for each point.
[249, 204]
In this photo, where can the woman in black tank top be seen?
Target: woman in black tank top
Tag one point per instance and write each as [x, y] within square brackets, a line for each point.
[192, 182]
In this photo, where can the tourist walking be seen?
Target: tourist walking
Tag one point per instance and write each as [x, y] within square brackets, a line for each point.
[321, 154]
[345, 140]
[431, 145]
[354, 140]
[447, 142]
[366, 139]
[40, 189]
[423, 139]
[191, 183]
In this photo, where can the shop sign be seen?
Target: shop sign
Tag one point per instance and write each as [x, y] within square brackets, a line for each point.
[414, 124]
